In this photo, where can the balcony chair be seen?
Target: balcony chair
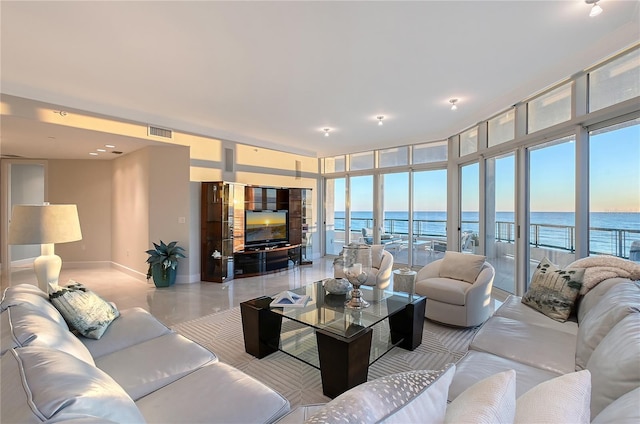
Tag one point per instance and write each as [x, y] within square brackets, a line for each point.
[367, 237]
[381, 267]
[458, 289]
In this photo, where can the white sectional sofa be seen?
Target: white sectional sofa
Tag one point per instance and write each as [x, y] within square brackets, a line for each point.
[138, 371]
[604, 339]
[521, 367]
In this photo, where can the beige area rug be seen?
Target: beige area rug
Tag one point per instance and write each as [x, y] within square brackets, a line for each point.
[300, 383]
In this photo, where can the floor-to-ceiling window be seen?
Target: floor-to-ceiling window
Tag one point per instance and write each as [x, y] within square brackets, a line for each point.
[470, 207]
[552, 202]
[429, 215]
[335, 222]
[395, 210]
[360, 207]
[614, 190]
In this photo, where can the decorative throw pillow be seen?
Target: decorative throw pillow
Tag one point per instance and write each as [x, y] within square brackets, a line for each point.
[461, 266]
[553, 291]
[490, 401]
[398, 398]
[83, 310]
[563, 399]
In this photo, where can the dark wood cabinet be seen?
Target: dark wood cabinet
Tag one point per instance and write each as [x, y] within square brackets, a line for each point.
[255, 262]
[223, 254]
[222, 229]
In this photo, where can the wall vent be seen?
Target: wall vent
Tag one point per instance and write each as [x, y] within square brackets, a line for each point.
[159, 132]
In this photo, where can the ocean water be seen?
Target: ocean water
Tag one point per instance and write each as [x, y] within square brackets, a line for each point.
[611, 232]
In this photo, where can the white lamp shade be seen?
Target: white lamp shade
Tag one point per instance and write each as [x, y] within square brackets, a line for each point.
[44, 224]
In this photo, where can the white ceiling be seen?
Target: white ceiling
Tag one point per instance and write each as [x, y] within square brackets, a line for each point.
[274, 74]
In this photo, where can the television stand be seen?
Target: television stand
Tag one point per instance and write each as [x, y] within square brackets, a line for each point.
[249, 263]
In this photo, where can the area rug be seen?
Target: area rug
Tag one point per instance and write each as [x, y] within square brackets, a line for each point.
[300, 383]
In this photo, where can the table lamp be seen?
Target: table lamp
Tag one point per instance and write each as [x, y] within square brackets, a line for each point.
[45, 225]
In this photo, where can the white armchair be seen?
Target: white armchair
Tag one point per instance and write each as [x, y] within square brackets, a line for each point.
[381, 267]
[454, 295]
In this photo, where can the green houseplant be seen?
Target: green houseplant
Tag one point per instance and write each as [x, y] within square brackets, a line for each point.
[163, 263]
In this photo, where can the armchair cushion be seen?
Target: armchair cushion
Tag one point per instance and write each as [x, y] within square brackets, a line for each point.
[461, 266]
[446, 290]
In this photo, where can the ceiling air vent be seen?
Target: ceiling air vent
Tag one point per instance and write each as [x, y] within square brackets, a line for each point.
[159, 132]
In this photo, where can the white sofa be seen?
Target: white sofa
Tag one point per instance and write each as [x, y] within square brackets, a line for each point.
[138, 371]
[604, 338]
[585, 369]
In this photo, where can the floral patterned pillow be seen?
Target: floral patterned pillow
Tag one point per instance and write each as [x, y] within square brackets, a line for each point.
[553, 291]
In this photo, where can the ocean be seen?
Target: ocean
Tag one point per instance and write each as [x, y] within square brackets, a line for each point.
[611, 232]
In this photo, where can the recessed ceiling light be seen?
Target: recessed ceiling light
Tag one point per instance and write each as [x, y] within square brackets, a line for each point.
[453, 104]
[93, 154]
[380, 118]
[326, 132]
[109, 146]
[101, 150]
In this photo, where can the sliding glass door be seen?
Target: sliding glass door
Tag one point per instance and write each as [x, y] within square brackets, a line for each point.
[395, 208]
[500, 237]
[552, 181]
[360, 207]
[470, 207]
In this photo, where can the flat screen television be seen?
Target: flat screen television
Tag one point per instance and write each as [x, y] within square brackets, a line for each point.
[266, 227]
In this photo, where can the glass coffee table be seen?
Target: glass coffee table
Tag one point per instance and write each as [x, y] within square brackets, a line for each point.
[342, 343]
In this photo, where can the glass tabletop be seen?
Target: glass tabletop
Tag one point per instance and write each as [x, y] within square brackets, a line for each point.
[327, 311]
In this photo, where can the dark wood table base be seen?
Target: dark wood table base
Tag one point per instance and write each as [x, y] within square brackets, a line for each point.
[344, 361]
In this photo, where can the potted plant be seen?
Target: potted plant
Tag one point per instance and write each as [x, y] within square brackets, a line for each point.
[163, 263]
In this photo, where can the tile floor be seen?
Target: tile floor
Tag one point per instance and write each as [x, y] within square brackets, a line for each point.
[181, 302]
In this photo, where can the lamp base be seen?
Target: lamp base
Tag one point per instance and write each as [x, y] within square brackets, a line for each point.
[47, 268]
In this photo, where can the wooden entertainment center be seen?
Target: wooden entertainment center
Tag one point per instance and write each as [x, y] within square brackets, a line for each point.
[225, 252]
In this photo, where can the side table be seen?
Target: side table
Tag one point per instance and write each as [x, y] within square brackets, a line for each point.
[404, 281]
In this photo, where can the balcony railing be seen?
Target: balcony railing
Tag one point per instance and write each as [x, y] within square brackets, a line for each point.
[603, 241]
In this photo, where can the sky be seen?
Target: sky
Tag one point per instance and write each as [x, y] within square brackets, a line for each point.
[614, 179]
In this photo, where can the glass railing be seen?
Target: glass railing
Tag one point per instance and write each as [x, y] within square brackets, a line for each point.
[603, 241]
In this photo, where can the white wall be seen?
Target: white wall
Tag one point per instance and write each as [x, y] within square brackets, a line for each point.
[27, 188]
[87, 184]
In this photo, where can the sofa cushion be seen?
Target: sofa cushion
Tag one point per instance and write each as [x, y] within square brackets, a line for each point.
[215, 393]
[398, 398]
[22, 327]
[461, 266]
[83, 310]
[530, 344]
[553, 291]
[29, 296]
[476, 366]
[135, 325]
[148, 366]
[492, 400]
[623, 410]
[588, 301]
[41, 384]
[564, 399]
[617, 303]
[614, 364]
[513, 308]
